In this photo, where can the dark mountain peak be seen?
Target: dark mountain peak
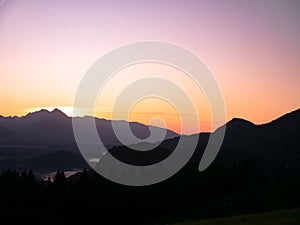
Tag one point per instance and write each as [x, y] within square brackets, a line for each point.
[239, 122]
[57, 112]
[45, 113]
[38, 113]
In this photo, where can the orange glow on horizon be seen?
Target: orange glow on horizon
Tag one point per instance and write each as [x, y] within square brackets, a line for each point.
[253, 56]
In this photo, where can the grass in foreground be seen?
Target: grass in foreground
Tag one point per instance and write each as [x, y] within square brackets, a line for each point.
[286, 217]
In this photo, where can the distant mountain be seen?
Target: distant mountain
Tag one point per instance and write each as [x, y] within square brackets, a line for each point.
[55, 128]
[61, 159]
[41, 161]
[270, 146]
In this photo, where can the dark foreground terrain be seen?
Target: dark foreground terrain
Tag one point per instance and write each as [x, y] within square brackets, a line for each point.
[286, 217]
[257, 170]
[188, 196]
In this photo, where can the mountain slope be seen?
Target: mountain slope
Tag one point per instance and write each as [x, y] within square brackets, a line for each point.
[270, 146]
[61, 159]
[55, 128]
[7, 135]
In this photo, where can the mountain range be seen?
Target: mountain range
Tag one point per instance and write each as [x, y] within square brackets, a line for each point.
[269, 146]
[39, 141]
[55, 128]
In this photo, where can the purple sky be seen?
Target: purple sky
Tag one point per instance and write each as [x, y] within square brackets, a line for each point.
[252, 47]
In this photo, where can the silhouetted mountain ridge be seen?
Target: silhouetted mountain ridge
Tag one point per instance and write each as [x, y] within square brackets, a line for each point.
[55, 128]
[269, 146]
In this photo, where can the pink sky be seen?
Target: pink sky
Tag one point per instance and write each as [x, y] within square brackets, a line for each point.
[252, 48]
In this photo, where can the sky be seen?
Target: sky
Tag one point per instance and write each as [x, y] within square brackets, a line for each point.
[251, 47]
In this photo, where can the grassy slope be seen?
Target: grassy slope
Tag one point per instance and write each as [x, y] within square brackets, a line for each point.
[287, 217]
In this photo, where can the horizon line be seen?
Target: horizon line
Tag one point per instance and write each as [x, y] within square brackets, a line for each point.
[101, 118]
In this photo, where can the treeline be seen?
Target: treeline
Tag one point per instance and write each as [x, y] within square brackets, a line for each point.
[87, 197]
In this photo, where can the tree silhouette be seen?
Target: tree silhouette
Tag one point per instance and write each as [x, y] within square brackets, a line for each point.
[60, 179]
